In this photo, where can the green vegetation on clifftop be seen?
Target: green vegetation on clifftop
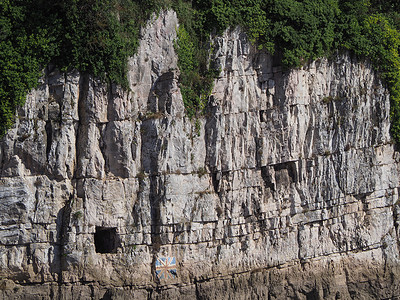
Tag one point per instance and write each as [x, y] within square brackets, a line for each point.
[98, 37]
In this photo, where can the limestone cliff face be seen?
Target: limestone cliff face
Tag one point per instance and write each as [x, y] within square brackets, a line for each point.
[287, 189]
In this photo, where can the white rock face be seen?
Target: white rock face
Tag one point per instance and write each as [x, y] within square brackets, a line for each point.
[289, 189]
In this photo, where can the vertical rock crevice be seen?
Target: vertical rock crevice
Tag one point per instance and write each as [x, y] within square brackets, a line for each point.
[82, 122]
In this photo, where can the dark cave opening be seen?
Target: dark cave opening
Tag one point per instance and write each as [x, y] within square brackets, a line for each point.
[106, 240]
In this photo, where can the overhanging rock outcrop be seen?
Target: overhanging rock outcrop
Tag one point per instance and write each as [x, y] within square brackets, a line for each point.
[287, 189]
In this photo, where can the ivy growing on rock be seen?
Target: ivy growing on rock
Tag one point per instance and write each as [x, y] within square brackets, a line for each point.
[196, 79]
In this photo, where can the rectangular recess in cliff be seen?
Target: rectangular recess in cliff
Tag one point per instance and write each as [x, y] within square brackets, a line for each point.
[286, 173]
[106, 240]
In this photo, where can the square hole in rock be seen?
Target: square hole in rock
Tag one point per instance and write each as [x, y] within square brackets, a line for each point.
[106, 240]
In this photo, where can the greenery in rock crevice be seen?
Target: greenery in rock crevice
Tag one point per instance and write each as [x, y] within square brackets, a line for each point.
[97, 37]
[196, 78]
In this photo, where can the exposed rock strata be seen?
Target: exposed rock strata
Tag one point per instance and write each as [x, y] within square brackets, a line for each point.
[288, 190]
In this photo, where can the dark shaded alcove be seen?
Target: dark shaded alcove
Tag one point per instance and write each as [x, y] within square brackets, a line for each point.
[106, 240]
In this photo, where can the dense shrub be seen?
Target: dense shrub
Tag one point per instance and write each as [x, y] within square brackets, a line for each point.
[89, 35]
[23, 52]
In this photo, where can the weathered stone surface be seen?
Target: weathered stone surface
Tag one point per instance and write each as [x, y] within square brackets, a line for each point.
[289, 189]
